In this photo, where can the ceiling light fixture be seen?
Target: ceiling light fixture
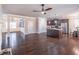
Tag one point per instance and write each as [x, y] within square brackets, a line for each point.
[42, 12]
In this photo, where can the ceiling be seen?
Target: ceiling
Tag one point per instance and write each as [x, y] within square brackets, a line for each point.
[61, 10]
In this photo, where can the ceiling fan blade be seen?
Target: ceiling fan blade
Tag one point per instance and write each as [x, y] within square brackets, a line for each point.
[48, 9]
[36, 11]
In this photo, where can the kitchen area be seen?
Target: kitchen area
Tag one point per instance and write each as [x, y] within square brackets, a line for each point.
[57, 27]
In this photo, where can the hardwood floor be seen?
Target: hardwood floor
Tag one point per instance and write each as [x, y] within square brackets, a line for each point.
[40, 44]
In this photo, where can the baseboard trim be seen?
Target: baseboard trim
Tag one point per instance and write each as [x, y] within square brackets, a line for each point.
[35, 33]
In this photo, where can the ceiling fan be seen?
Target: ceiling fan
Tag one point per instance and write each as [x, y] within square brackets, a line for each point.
[43, 10]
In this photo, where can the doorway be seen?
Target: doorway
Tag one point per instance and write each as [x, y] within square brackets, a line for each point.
[64, 28]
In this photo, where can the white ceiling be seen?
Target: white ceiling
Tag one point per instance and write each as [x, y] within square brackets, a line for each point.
[26, 9]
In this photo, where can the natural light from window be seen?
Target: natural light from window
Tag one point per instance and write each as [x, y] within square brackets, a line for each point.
[13, 24]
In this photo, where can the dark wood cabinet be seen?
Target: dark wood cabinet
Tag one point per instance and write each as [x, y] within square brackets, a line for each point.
[53, 28]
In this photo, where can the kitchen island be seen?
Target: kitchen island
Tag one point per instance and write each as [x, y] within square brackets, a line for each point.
[54, 32]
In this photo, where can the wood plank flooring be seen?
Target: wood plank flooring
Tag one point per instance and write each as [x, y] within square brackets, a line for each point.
[40, 44]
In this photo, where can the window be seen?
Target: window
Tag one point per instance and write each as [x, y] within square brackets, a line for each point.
[13, 24]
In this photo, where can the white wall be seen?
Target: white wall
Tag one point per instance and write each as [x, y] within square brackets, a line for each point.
[73, 23]
[30, 25]
[0, 27]
[35, 25]
[42, 24]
